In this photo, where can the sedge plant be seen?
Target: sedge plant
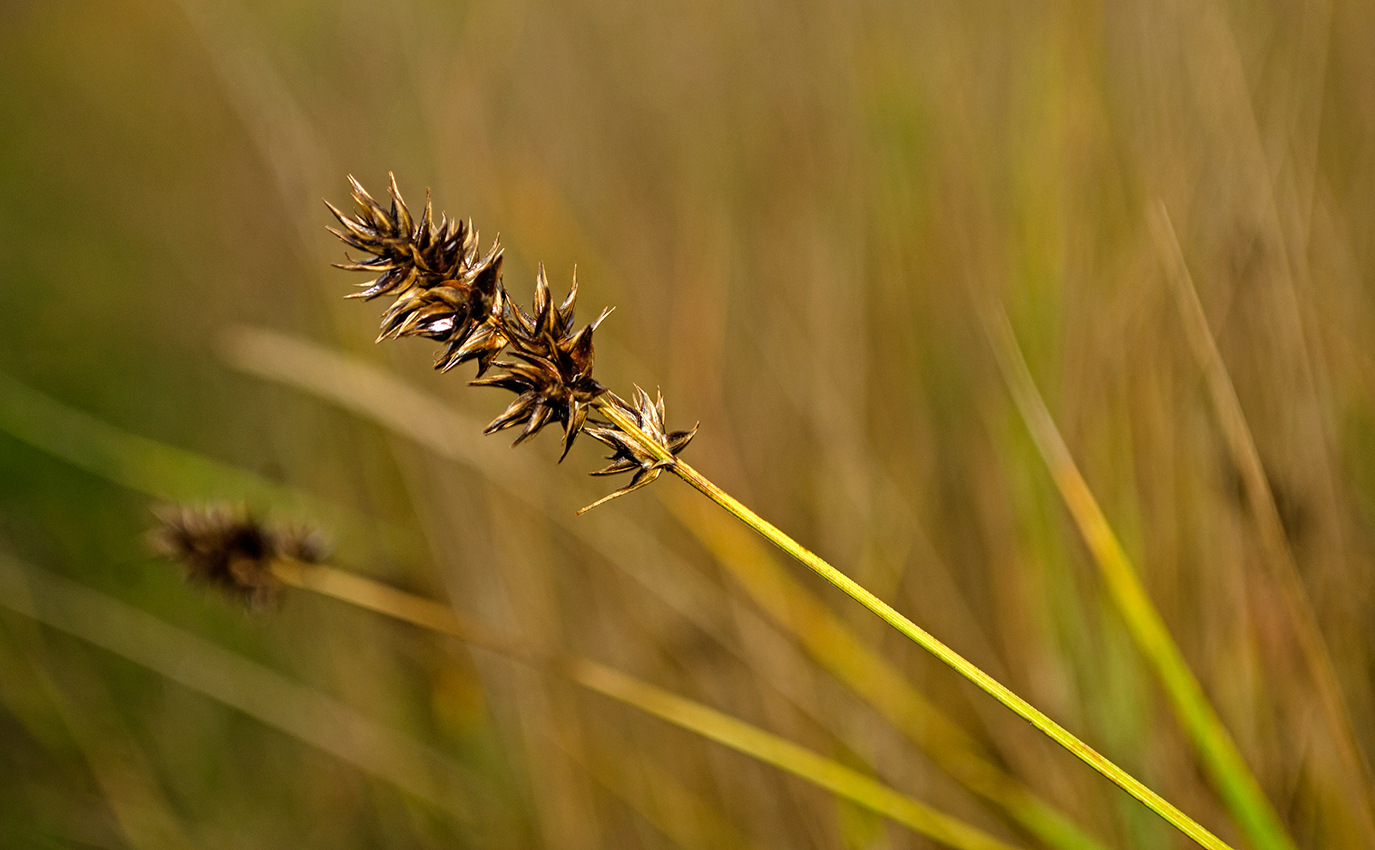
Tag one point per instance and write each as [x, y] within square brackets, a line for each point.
[445, 289]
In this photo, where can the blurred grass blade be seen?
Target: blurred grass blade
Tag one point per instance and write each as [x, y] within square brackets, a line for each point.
[1265, 511]
[158, 470]
[839, 650]
[1223, 762]
[145, 817]
[136, 462]
[785, 755]
[682, 712]
[166, 472]
[161, 470]
[371, 393]
[233, 680]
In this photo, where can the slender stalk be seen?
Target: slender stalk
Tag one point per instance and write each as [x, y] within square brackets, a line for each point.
[837, 648]
[921, 637]
[684, 713]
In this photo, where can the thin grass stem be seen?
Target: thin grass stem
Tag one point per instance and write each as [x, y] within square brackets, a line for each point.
[865, 671]
[679, 711]
[920, 636]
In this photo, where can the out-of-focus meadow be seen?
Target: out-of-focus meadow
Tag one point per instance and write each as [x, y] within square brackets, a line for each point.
[802, 212]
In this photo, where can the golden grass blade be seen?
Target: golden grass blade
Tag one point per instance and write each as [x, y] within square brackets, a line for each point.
[228, 678]
[682, 712]
[840, 651]
[1261, 500]
[917, 634]
[1223, 762]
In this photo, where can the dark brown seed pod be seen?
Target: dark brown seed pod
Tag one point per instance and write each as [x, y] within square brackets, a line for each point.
[628, 455]
[229, 549]
[444, 289]
[552, 369]
[548, 323]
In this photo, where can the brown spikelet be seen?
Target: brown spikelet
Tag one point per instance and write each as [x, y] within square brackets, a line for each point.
[627, 453]
[552, 367]
[227, 548]
[443, 288]
[444, 291]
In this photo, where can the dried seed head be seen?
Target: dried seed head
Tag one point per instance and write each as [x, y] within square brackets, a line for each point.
[627, 452]
[444, 289]
[229, 549]
[552, 370]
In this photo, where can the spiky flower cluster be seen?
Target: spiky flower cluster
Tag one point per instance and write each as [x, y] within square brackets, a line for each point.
[444, 288]
[446, 291]
[551, 369]
[628, 454]
[229, 549]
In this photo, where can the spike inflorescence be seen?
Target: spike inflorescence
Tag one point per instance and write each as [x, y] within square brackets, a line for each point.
[445, 289]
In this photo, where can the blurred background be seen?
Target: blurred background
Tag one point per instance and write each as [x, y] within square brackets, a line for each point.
[801, 212]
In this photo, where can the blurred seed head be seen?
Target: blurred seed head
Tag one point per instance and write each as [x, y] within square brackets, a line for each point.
[229, 549]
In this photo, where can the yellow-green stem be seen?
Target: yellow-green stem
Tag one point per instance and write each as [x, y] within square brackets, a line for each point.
[920, 636]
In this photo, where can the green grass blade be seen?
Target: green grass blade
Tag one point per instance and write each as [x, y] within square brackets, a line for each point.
[164, 472]
[138, 463]
[1223, 762]
[235, 681]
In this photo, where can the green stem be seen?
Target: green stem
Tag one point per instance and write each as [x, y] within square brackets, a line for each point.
[920, 636]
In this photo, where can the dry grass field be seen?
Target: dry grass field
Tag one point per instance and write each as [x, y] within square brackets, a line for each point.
[810, 217]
